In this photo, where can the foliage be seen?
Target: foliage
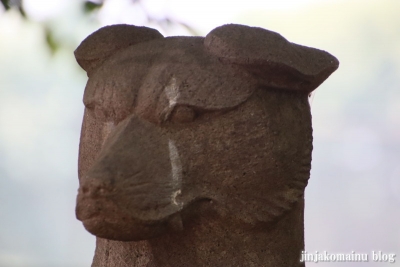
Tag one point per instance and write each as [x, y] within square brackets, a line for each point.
[89, 8]
[8, 4]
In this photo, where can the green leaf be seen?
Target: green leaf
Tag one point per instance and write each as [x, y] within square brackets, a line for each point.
[6, 4]
[51, 42]
[89, 6]
[22, 12]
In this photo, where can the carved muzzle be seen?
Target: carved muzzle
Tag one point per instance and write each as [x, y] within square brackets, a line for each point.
[132, 191]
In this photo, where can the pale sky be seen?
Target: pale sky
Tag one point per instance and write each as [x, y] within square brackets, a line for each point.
[208, 12]
[46, 8]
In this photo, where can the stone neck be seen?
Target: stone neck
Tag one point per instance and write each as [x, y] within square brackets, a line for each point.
[211, 241]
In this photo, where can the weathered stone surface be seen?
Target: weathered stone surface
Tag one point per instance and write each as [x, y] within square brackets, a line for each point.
[274, 60]
[108, 40]
[196, 151]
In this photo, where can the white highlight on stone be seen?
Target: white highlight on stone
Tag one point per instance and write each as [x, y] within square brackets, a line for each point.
[107, 129]
[176, 169]
[173, 197]
[172, 92]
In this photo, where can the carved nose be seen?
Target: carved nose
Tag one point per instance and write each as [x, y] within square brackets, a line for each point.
[95, 187]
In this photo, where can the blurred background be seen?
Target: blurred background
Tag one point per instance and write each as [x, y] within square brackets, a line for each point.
[353, 197]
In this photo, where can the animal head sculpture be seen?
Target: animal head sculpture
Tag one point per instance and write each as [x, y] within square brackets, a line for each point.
[173, 121]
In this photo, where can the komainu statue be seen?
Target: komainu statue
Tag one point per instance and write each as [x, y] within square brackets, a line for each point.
[196, 151]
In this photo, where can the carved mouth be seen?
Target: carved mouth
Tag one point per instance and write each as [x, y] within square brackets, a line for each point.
[122, 229]
[106, 219]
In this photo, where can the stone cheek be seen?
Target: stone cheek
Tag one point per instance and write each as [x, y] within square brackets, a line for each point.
[250, 160]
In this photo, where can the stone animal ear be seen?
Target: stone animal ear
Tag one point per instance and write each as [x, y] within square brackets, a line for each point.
[103, 43]
[275, 62]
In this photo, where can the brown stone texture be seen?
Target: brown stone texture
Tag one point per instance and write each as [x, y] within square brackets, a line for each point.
[196, 151]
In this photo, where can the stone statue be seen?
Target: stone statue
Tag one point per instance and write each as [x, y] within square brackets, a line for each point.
[195, 151]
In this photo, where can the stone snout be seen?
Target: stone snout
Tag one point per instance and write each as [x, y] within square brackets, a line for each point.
[132, 191]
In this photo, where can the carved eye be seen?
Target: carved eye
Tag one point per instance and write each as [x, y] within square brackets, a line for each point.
[182, 114]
